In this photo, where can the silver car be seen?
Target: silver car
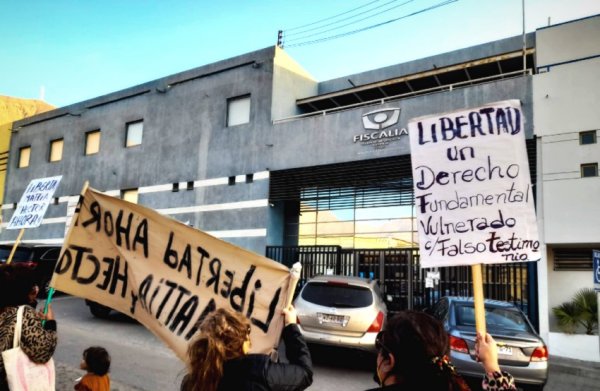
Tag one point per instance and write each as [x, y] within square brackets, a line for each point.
[521, 351]
[341, 311]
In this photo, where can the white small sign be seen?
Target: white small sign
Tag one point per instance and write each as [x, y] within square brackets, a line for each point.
[34, 203]
[433, 275]
[428, 282]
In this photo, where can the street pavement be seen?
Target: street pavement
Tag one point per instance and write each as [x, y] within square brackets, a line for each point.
[141, 362]
[565, 374]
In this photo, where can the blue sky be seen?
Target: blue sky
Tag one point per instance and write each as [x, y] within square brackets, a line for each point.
[80, 49]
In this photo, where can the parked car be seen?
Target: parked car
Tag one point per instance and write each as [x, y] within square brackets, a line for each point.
[41, 257]
[97, 309]
[341, 311]
[521, 351]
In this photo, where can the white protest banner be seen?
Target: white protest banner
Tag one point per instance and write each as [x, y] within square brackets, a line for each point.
[34, 203]
[167, 275]
[473, 192]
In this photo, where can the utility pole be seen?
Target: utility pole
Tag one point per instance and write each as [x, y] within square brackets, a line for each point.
[280, 39]
[524, 40]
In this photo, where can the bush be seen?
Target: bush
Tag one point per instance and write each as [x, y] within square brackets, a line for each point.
[582, 310]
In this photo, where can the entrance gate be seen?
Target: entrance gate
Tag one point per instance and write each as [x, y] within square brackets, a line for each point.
[404, 283]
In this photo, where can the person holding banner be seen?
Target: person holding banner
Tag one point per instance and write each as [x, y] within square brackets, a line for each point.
[16, 285]
[218, 358]
[413, 355]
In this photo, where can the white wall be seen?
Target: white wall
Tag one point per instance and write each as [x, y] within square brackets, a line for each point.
[568, 41]
[563, 285]
[566, 101]
[566, 98]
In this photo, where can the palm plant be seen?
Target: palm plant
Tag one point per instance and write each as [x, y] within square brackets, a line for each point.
[582, 310]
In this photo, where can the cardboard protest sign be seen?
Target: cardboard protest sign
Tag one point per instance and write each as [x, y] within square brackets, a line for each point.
[34, 203]
[473, 192]
[167, 275]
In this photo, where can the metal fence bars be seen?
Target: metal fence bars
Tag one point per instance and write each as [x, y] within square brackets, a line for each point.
[405, 285]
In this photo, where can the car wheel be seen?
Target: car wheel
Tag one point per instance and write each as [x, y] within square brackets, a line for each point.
[99, 311]
[533, 387]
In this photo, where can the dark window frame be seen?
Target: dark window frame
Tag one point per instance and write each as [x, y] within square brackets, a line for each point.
[587, 133]
[19, 158]
[234, 98]
[127, 124]
[50, 150]
[585, 166]
[86, 142]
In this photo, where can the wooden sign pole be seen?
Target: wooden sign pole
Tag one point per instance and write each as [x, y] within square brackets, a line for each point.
[478, 299]
[86, 184]
[14, 249]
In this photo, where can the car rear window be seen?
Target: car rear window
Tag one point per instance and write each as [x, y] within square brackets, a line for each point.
[335, 295]
[21, 254]
[495, 318]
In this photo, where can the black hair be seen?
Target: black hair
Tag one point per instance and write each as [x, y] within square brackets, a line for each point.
[419, 345]
[97, 360]
[16, 282]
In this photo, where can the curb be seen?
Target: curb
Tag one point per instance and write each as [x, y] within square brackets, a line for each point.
[579, 368]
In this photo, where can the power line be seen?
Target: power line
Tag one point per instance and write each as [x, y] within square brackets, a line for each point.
[339, 21]
[353, 22]
[332, 17]
[443, 3]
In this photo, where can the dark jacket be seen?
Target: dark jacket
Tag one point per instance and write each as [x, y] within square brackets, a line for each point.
[256, 372]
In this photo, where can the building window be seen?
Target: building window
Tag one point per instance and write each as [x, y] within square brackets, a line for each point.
[231, 181]
[572, 259]
[176, 187]
[24, 155]
[587, 137]
[130, 195]
[238, 110]
[249, 178]
[56, 150]
[589, 170]
[135, 130]
[92, 142]
[190, 185]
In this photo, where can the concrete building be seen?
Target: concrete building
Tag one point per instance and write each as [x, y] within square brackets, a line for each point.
[255, 151]
[566, 92]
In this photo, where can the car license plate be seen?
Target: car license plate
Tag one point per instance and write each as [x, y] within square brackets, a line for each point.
[332, 319]
[505, 350]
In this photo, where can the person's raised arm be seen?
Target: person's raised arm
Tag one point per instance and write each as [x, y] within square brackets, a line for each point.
[297, 375]
[487, 353]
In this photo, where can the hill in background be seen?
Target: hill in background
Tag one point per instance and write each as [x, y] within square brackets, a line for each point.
[14, 109]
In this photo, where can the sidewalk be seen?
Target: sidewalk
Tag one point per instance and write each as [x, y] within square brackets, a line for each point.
[570, 374]
[66, 376]
[564, 374]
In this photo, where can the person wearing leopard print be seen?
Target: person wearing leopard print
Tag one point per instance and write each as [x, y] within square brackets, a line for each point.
[16, 284]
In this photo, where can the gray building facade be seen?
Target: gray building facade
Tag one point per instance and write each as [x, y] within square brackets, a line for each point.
[241, 147]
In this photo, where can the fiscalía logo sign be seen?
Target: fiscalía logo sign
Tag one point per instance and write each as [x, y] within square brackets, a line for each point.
[381, 123]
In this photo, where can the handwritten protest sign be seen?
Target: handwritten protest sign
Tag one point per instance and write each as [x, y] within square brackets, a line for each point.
[473, 192]
[167, 275]
[34, 203]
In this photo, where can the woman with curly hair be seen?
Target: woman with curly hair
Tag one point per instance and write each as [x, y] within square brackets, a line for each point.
[413, 354]
[218, 358]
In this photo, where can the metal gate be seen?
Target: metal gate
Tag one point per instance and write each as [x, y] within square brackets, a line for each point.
[404, 283]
